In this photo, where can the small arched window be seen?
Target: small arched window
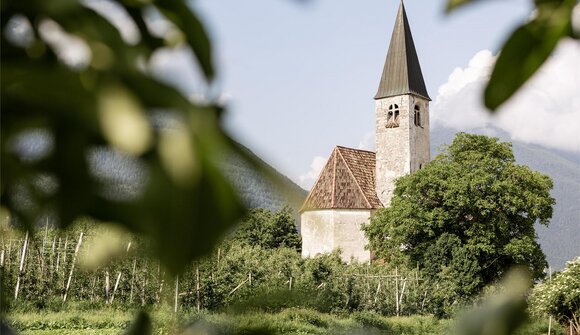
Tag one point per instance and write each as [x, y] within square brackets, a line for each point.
[418, 116]
[393, 116]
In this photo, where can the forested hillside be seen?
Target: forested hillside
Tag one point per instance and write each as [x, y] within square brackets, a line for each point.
[260, 192]
[560, 240]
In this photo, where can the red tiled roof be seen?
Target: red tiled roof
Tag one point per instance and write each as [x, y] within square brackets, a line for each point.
[347, 181]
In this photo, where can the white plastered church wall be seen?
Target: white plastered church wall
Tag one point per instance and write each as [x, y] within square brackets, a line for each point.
[326, 230]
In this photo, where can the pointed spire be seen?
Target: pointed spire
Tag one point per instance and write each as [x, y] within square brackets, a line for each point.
[402, 72]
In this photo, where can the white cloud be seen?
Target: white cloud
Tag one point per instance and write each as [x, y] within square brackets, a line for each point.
[545, 111]
[307, 180]
[368, 142]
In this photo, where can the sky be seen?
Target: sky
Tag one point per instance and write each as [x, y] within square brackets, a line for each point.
[299, 76]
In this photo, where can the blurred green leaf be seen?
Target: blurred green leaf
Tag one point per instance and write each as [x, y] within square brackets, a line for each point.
[503, 313]
[452, 5]
[527, 49]
[178, 13]
[5, 329]
[186, 204]
[141, 325]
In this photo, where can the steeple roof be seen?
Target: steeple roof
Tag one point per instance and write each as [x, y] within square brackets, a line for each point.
[402, 72]
[346, 182]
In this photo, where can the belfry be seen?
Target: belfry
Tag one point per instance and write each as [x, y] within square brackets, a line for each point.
[354, 183]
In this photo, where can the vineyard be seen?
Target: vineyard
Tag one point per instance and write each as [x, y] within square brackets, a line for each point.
[88, 280]
[54, 269]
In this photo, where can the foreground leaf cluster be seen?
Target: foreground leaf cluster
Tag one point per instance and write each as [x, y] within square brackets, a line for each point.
[528, 47]
[109, 102]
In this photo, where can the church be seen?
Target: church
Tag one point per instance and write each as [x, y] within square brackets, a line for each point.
[355, 183]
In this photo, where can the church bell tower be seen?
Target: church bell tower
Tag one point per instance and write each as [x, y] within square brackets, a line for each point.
[401, 112]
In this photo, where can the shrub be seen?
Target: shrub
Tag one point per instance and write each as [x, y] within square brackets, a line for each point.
[559, 297]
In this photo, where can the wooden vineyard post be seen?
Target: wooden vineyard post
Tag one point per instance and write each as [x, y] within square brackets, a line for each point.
[132, 280]
[72, 268]
[550, 320]
[21, 268]
[93, 287]
[400, 304]
[378, 290]
[197, 293]
[237, 287]
[41, 259]
[2, 259]
[176, 294]
[115, 287]
[143, 289]
[107, 286]
[45, 237]
[397, 291]
[65, 250]
[52, 255]
[8, 254]
[57, 256]
[290, 284]
[161, 288]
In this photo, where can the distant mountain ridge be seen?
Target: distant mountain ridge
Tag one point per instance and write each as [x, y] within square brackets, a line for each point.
[258, 191]
[561, 240]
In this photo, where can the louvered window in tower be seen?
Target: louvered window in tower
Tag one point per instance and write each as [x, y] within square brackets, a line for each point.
[393, 116]
[418, 116]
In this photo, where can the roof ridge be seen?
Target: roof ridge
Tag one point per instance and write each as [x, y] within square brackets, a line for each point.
[355, 180]
[365, 150]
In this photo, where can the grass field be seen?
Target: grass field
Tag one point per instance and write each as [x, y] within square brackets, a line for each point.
[290, 321]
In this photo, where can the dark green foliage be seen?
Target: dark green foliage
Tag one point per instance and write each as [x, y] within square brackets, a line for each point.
[268, 230]
[465, 219]
[109, 104]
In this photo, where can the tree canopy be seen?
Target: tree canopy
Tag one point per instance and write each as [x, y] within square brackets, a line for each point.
[269, 230]
[466, 218]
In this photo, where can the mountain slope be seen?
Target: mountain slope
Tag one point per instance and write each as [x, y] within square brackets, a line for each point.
[258, 191]
[560, 241]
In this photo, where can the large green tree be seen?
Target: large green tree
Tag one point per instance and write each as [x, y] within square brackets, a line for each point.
[465, 218]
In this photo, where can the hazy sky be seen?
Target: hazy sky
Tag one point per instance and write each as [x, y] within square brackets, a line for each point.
[300, 76]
